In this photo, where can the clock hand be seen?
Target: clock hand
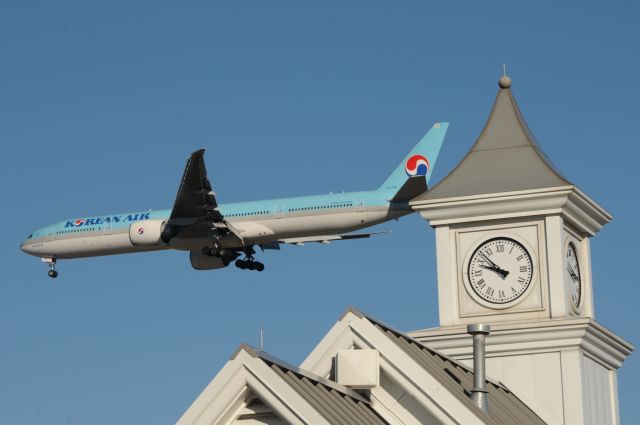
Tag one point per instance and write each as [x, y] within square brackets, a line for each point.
[486, 259]
[573, 274]
[503, 273]
[498, 270]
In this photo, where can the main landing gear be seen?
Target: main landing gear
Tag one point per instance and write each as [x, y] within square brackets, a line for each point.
[249, 263]
[228, 255]
[215, 250]
[52, 267]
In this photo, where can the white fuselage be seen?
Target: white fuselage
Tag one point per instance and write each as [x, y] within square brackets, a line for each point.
[257, 223]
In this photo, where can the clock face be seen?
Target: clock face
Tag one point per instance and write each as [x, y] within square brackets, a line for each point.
[500, 270]
[573, 274]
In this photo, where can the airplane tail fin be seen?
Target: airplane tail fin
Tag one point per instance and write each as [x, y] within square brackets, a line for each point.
[411, 176]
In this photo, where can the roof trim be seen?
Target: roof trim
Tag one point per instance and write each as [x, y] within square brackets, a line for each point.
[268, 358]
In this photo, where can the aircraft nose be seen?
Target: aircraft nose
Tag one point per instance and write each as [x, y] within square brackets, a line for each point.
[25, 246]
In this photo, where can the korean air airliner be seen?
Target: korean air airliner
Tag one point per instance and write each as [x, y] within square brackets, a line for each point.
[217, 234]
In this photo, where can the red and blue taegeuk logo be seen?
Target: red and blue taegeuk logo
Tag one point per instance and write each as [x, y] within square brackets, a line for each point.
[417, 165]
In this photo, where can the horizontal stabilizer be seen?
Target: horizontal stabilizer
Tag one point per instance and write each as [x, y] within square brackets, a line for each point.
[414, 186]
[327, 238]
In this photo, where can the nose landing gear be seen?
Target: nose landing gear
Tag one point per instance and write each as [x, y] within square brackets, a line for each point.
[52, 267]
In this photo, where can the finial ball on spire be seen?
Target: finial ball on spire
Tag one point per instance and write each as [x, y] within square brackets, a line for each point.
[504, 82]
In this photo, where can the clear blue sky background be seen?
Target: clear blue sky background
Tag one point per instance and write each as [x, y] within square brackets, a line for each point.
[101, 103]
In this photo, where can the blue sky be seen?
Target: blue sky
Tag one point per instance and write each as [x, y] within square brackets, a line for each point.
[101, 103]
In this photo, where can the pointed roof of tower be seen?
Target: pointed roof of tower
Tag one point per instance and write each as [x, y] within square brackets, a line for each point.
[505, 158]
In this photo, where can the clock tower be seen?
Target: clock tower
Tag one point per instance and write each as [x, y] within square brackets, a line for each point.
[513, 250]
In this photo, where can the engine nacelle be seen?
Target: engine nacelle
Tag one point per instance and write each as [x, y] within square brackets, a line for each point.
[199, 261]
[146, 232]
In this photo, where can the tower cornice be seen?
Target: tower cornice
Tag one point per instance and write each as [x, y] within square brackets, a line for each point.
[527, 337]
[576, 208]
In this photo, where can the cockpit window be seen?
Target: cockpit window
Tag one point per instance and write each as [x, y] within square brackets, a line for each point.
[30, 236]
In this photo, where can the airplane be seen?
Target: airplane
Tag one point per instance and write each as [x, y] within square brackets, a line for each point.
[217, 234]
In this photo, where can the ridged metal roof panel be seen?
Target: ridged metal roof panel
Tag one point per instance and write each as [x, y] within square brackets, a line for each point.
[335, 406]
[504, 407]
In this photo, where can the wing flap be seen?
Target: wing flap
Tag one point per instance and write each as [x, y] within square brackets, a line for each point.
[327, 238]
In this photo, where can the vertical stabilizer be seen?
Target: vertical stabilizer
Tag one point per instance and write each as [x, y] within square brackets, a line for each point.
[419, 162]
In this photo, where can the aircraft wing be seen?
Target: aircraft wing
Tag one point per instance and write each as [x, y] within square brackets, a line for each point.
[327, 238]
[196, 200]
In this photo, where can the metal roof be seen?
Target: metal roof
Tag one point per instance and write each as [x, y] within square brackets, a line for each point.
[504, 407]
[337, 404]
[505, 158]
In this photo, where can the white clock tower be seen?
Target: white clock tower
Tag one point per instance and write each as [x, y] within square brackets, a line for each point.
[513, 251]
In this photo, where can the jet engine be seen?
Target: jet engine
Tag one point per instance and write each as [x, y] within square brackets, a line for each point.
[146, 232]
[199, 261]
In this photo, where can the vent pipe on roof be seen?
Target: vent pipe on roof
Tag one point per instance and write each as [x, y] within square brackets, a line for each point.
[479, 391]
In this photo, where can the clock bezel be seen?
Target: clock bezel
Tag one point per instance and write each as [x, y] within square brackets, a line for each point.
[467, 282]
[576, 308]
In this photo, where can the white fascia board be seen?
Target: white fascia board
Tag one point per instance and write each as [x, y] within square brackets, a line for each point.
[244, 375]
[426, 389]
[529, 337]
[218, 395]
[275, 392]
[393, 410]
[355, 331]
[339, 337]
[342, 337]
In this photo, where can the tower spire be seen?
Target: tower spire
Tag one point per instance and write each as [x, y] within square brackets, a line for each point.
[504, 158]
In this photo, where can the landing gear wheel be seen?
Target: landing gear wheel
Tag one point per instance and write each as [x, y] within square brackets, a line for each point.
[249, 263]
[51, 262]
[215, 250]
